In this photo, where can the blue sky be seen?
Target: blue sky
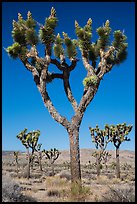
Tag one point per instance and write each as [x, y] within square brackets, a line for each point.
[22, 105]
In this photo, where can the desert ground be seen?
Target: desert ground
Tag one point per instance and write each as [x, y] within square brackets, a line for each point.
[44, 187]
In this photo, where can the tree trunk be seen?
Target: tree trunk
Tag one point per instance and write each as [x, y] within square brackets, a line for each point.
[52, 168]
[75, 156]
[98, 165]
[117, 163]
[28, 165]
[40, 158]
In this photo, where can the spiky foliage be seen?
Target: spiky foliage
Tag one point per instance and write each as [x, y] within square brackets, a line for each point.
[47, 32]
[23, 34]
[84, 35]
[30, 139]
[104, 35]
[103, 42]
[58, 46]
[120, 46]
[90, 81]
[71, 46]
[14, 50]
[118, 133]
[98, 137]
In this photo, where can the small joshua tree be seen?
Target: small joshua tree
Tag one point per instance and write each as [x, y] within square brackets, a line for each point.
[98, 58]
[29, 140]
[52, 155]
[102, 157]
[106, 157]
[101, 140]
[118, 134]
[16, 156]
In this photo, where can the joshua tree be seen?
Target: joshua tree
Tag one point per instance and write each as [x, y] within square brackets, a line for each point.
[29, 140]
[16, 155]
[52, 155]
[118, 134]
[101, 140]
[98, 59]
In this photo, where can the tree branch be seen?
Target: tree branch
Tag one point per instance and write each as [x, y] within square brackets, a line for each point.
[68, 91]
[103, 67]
[47, 101]
[55, 76]
[73, 64]
[57, 63]
[87, 65]
[87, 97]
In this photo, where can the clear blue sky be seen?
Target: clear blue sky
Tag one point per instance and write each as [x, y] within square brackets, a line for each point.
[22, 105]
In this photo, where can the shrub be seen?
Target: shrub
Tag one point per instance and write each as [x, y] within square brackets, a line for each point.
[120, 195]
[79, 195]
[11, 192]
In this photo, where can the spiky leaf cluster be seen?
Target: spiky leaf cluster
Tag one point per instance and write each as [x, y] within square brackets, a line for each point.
[29, 139]
[47, 32]
[16, 50]
[23, 34]
[91, 80]
[104, 36]
[84, 35]
[98, 137]
[70, 46]
[118, 133]
[24, 31]
[120, 45]
[93, 53]
[58, 46]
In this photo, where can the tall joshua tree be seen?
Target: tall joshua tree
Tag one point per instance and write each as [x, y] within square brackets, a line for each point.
[29, 140]
[57, 50]
[118, 134]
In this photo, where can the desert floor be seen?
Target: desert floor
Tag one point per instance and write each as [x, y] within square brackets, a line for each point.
[42, 187]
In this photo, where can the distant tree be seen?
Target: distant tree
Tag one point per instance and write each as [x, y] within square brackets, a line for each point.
[98, 59]
[29, 140]
[52, 155]
[101, 140]
[16, 156]
[118, 134]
